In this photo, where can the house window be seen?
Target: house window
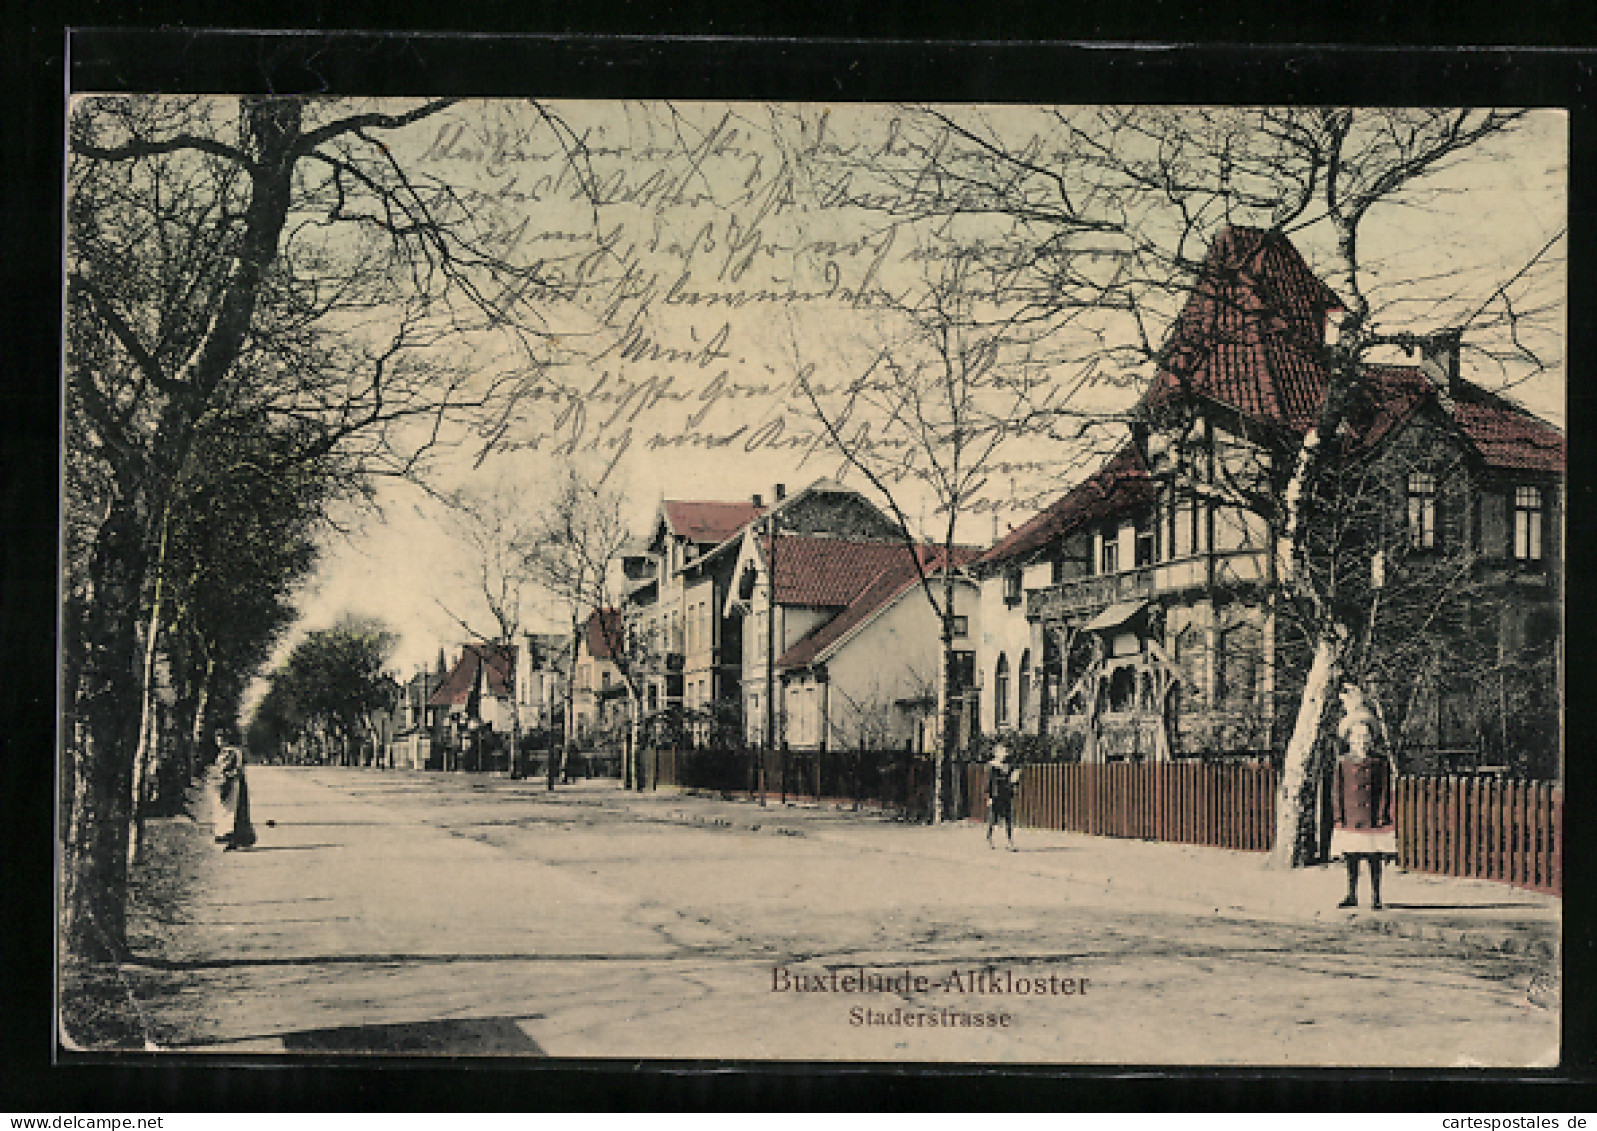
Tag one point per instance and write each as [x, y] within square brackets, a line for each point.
[1012, 587]
[604, 681]
[1185, 518]
[1001, 693]
[1422, 511]
[1111, 551]
[1528, 524]
[964, 665]
[1025, 687]
[961, 627]
[1145, 540]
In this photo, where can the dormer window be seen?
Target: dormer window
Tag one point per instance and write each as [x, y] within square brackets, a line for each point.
[1422, 511]
[1528, 525]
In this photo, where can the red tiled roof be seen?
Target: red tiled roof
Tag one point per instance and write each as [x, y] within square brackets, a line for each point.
[601, 633]
[1506, 436]
[830, 572]
[1250, 337]
[879, 592]
[708, 520]
[1121, 483]
[1251, 332]
[457, 686]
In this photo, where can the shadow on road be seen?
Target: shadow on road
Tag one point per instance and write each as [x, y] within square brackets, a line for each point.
[471, 1036]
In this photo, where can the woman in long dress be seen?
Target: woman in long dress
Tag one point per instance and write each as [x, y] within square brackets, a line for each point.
[233, 827]
[1365, 829]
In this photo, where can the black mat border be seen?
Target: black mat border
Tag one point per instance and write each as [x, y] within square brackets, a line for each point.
[724, 67]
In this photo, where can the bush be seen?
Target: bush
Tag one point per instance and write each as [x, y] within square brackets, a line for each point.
[1030, 748]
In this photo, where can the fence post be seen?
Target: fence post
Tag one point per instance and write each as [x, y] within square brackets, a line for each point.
[1479, 829]
[1557, 876]
[1544, 848]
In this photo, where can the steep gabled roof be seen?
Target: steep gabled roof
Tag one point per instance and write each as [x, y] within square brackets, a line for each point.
[707, 520]
[879, 593]
[1251, 337]
[1121, 483]
[1251, 332]
[499, 660]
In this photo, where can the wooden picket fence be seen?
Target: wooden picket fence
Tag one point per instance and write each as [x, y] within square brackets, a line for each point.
[860, 779]
[1483, 828]
[1478, 828]
[1221, 806]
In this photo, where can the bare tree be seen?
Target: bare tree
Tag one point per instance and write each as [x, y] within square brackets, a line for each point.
[501, 538]
[578, 545]
[264, 252]
[956, 379]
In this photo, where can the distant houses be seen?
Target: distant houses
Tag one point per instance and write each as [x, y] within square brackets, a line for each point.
[1135, 618]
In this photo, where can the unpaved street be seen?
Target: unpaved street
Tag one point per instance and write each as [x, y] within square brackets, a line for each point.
[435, 913]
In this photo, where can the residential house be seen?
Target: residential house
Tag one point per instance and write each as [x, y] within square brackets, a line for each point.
[869, 676]
[833, 551]
[542, 661]
[474, 703]
[599, 694]
[677, 621]
[1137, 613]
[411, 746]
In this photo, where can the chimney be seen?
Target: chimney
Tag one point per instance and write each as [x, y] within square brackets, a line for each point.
[780, 493]
[1439, 361]
[756, 500]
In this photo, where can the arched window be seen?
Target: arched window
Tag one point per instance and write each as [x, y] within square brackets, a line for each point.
[1025, 709]
[1001, 693]
[1049, 677]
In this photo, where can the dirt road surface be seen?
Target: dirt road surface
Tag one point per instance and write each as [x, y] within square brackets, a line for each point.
[409, 913]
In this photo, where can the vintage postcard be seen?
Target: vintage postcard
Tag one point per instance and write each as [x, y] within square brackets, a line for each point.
[733, 581]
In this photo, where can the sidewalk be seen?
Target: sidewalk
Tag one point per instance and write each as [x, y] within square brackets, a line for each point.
[1470, 914]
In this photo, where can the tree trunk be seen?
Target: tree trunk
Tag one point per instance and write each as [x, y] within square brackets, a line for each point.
[106, 703]
[202, 707]
[634, 735]
[1295, 811]
[948, 743]
[144, 753]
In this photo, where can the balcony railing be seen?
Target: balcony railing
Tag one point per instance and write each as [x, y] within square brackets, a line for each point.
[1087, 594]
[1084, 595]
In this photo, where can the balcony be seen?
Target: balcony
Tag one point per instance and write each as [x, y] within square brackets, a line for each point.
[1089, 594]
[1083, 596]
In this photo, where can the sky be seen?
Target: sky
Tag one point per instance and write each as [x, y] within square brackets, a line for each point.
[721, 272]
